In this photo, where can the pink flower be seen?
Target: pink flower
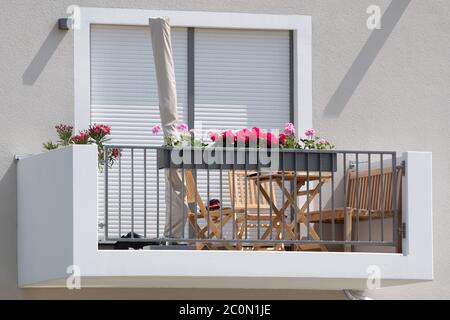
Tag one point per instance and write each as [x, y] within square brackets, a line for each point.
[243, 135]
[62, 129]
[289, 129]
[321, 141]
[182, 127]
[213, 136]
[310, 132]
[229, 137]
[282, 137]
[156, 129]
[253, 137]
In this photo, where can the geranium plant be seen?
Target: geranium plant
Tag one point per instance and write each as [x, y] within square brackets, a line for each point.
[314, 142]
[246, 138]
[96, 134]
[184, 137]
[256, 138]
[259, 138]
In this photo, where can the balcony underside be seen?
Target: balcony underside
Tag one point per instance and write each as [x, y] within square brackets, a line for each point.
[223, 283]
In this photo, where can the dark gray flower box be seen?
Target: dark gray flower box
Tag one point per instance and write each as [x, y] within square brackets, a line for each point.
[246, 159]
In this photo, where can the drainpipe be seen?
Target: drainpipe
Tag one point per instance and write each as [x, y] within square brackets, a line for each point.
[356, 295]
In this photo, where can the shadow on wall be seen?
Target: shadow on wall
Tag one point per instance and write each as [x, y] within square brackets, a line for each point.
[43, 56]
[365, 58]
[8, 231]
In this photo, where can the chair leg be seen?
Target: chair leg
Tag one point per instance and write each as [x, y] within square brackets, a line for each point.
[348, 230]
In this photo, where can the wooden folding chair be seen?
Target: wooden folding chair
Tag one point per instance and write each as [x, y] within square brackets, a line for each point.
[365, 200]
[246, 198]
[212, 218]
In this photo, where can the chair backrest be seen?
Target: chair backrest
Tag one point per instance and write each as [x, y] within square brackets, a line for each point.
[237, 191]
[374, 192]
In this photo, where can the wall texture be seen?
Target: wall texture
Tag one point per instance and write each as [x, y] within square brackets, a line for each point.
[383, 90]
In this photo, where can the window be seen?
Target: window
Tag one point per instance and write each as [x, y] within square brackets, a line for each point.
[241, 79]
[246, 71]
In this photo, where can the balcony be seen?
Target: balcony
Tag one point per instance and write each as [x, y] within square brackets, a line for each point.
[303, 219]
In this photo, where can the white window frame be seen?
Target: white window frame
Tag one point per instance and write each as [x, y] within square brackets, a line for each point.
[235, 269]
[299, 24]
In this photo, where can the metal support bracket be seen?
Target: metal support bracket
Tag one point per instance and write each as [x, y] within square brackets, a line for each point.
[402, 230]
[403, 167]
[72, 22]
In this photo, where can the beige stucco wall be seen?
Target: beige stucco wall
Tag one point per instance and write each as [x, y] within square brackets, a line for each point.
[400, 101]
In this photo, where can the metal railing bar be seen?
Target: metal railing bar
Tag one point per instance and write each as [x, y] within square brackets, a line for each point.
[395, 221]
[120, 193]
[308, 214]
[274, 241]
[145, 193]
[194, 172]
[182, 199]
[369, 205]
[270, 207]
[258, 186]
[221, 202]
[358, 202]
[297, 227]
[334, 151]
[105, 164]
[157, 202]
[208, 197]
[246, 202]
[345, 195]
[320, 199]
[170, 173]
[283, 200]
[333, 219]
[233, 203]
[382, 195]
[132, 193]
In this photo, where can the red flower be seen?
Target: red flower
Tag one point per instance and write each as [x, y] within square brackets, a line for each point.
[115, 153]
[81, 138]
[213, 136]
[271, 139]
[282, 138]
[99, 129]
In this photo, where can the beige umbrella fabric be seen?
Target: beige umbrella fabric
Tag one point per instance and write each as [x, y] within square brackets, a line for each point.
[165, 74]
[176, 206]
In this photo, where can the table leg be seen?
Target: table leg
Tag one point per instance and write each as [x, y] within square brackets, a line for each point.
[301, 211]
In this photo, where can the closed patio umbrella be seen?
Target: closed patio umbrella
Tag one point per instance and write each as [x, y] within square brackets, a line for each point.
[165, 74]
[176, 206]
